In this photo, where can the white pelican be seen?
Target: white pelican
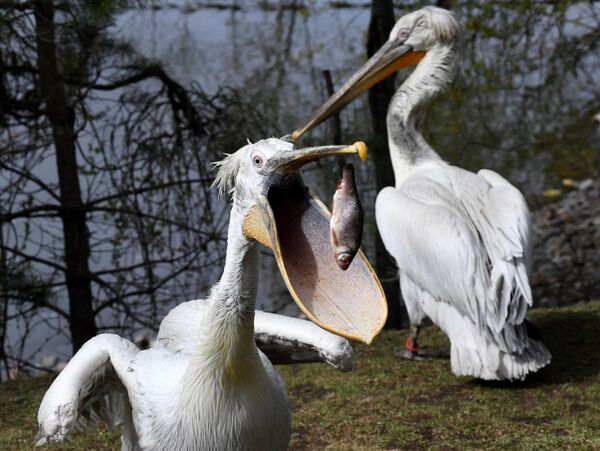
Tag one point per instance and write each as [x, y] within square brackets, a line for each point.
[208, 386]
[462, 241]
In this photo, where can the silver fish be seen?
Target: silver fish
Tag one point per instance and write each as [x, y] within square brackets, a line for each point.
[346, 223]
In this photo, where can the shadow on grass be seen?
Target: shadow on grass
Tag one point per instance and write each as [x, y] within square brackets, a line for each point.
[573, 338]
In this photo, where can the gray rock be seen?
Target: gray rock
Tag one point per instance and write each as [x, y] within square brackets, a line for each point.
[566, 248]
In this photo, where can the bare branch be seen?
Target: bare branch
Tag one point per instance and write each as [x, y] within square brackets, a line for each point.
[20, 6]
[145, 189]
[28, 212]
[29, 176]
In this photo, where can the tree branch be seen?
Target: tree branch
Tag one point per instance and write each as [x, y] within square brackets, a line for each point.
[20, 6]
[27, 212]
[211, 235]
[33, 258]
[178, 96]
[144, 189]
[31, 178]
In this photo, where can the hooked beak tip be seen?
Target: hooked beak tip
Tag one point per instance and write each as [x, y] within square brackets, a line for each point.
[362, 149]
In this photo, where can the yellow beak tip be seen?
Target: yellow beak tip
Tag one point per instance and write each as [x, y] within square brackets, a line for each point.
[295, 135]
[362, 149]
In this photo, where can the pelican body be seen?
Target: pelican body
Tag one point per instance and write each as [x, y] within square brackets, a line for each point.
[462, 241]
[204, 384]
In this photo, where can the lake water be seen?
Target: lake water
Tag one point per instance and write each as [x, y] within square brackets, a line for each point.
[275, 59]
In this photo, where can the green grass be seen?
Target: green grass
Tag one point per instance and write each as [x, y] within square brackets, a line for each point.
[387, 403]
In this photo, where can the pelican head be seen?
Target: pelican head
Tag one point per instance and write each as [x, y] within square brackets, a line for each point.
[414, 35]
[277, 210]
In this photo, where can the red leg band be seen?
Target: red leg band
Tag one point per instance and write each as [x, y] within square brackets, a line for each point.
[410, 347]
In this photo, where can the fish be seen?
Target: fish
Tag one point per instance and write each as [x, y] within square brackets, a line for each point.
[346, 224]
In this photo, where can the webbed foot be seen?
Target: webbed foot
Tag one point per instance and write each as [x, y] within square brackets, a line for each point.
[407, 354]
[414, 352]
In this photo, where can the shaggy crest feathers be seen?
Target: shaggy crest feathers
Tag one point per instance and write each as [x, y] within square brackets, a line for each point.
[227, 170]
[228, 167]
[442, 22]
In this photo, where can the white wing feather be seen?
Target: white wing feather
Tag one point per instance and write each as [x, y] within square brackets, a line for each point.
[465, 239]
[88, 387]
[436, 249]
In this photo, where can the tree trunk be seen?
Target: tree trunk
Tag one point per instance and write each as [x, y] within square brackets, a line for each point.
[336, 123]
[382, 22]
[76, 238]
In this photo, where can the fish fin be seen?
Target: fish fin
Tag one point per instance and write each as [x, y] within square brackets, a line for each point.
[332, 235]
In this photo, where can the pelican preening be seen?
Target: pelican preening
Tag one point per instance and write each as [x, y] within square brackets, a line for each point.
[204, 384]
[462, 241]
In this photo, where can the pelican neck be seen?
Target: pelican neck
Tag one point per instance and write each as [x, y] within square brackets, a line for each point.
[406, 113]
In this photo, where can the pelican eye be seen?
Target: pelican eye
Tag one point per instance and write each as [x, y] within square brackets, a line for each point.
[403, 34]
[258, 159]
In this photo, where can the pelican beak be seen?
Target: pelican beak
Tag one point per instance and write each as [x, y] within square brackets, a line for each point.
[390, 58]
[289, 219]
[292, 160]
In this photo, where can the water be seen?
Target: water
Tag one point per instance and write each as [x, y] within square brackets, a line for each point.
[273, 57]
[512, 119]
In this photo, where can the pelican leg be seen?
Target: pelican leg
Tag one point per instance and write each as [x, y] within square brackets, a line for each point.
[412, 350]
[412, 343]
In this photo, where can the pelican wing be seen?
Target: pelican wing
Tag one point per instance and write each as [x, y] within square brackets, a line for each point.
[463, 238]
[291, 340]
[500, 213]
[93, 386]
[282, 338]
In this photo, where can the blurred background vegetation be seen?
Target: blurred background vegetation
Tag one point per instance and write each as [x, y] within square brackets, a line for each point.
[111, 113]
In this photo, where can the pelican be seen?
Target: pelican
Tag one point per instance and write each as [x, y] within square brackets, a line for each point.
[462, 241]
[208, 386]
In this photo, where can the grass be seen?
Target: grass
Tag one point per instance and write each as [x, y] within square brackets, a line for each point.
[387, 403]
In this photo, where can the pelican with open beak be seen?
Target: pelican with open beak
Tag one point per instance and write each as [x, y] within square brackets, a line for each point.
[289, 219]
[204, 383]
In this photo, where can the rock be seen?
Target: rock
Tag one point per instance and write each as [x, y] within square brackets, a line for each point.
[566, 247]
[49, 361]
[585, 184]
[52, 362]
[17, 373]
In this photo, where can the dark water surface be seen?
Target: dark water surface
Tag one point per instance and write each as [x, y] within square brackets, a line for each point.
[519, 104]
